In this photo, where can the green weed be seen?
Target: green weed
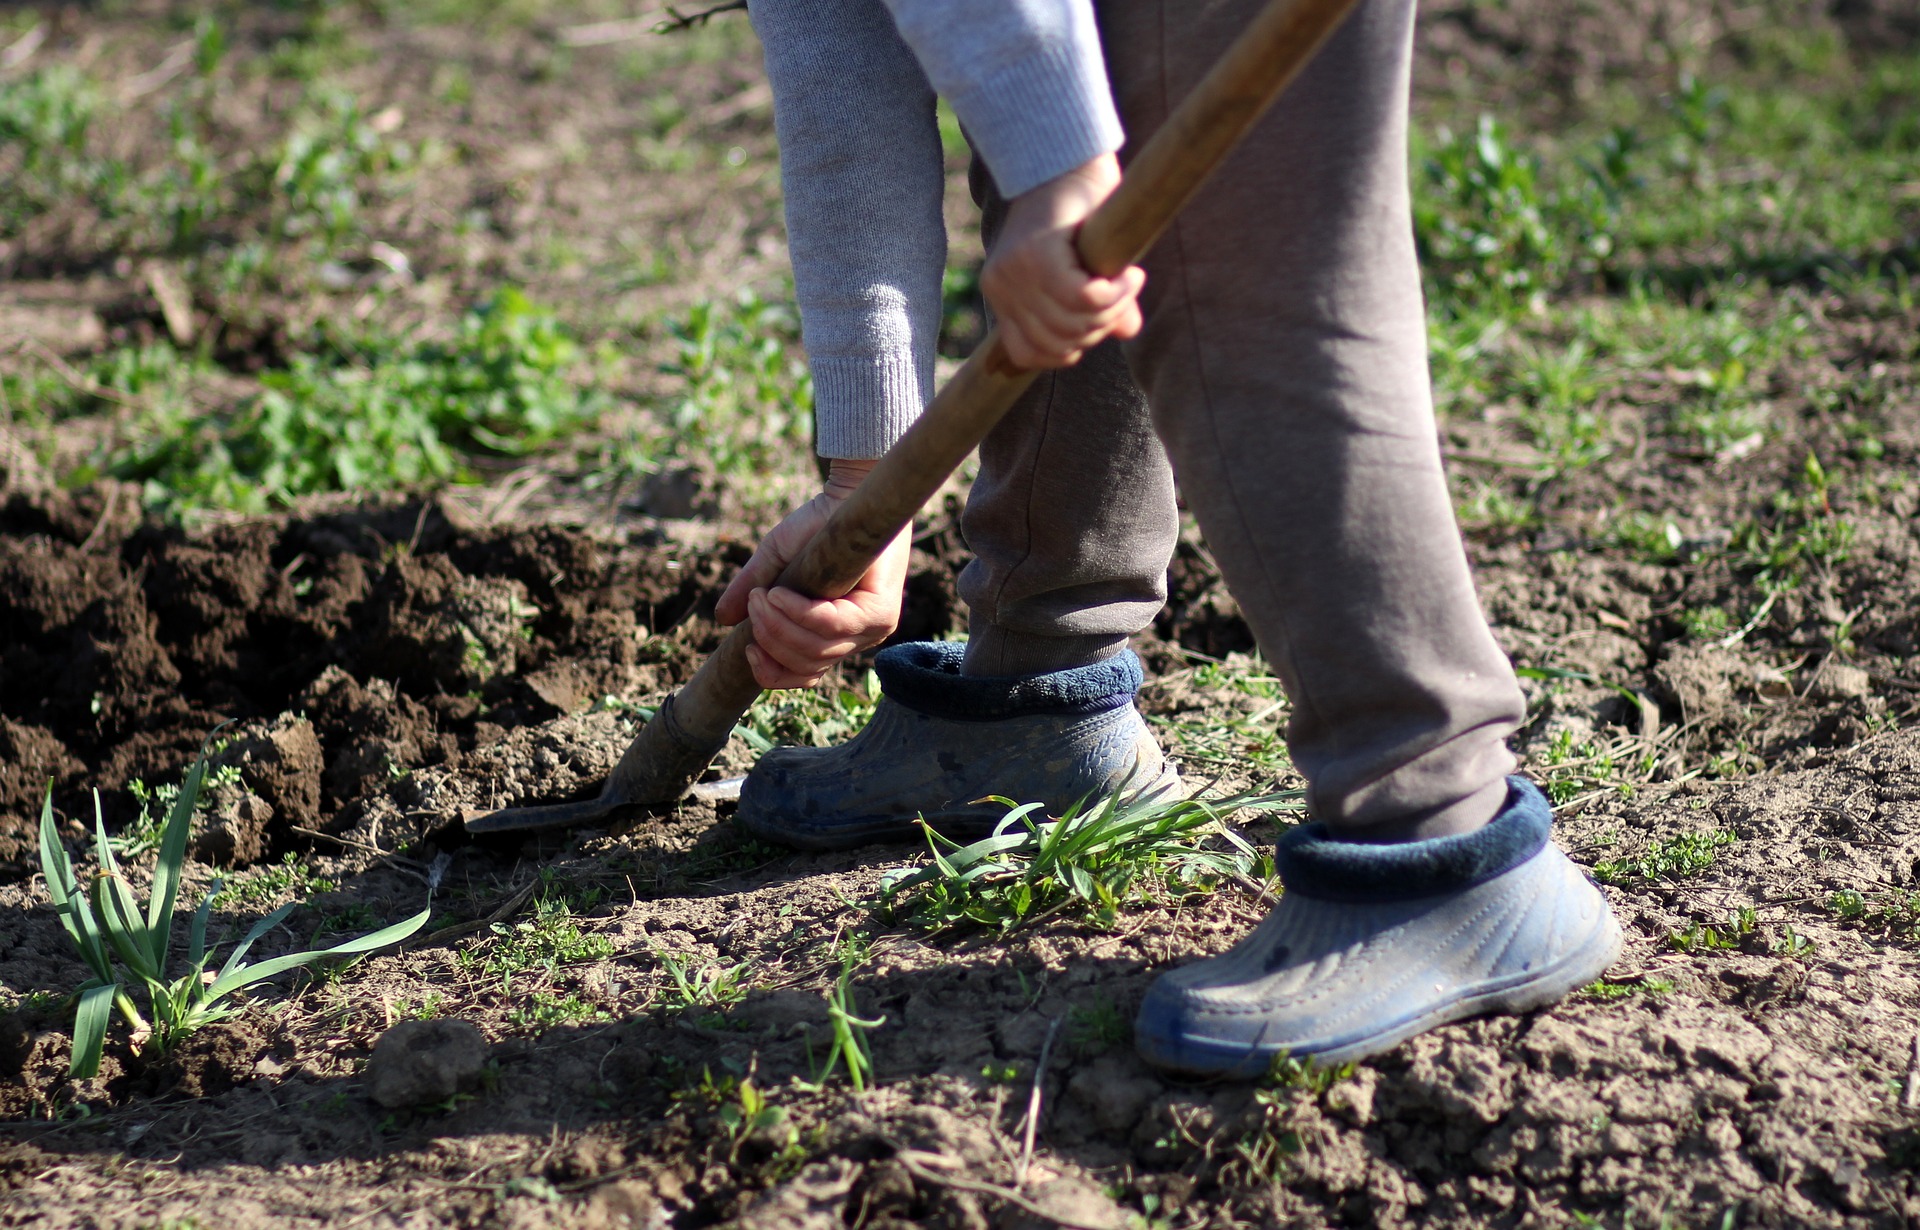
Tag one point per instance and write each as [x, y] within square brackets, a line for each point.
[143, 834]
[1705, 937]
[323, 172]
[1264, 1152]
[747, 403]
[546, 941]
[123, 942]
[1606, 992]
[45, 118]
[543, 1010]
[1093, 858]
[752, 1113]
[849, 1048]
[1847, 904]
[1098, 1027]
[695, 982]
[1251, 743]
[1677, 858]
[809, 717]
[290, 876]
[371, 417]
[1705, 623]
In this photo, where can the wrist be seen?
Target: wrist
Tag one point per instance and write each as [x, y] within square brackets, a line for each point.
[844, 476]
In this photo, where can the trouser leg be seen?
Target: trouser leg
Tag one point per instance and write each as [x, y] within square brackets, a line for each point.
[1072, 517]
[1284, 356]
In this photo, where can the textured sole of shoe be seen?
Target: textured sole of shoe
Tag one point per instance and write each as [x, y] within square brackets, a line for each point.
[1512, 997]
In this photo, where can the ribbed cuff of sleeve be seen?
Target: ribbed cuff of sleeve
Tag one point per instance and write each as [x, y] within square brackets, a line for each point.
[1041, 116]
[862, 404]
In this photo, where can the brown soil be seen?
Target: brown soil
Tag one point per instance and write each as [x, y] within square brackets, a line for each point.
[387, 666]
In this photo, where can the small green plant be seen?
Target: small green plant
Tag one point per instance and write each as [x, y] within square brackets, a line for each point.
[370, 416]
[1847, 904]
[697, 983]
[748, 399]
[809, 717]
[1606, 992]
[1705, 937]
[1098, 1027]
[752, 1113]
[544, 1010]
[123, 942]
[142, 835]
[1708, 623]
[849, 1048]
[1677, 858]
[1792, 944]
[1804, 534]
[320, 176]
[1093, 858]
[1654, 539]
[290, 875]
[1264, 1151]
[426, 1010]
[547, 941]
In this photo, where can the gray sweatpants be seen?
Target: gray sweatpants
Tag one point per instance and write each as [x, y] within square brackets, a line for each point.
[1283, 368]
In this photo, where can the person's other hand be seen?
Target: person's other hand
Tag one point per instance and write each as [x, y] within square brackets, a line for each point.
[1050, 310]
[797, 639]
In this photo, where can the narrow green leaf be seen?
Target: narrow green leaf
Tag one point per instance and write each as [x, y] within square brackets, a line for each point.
[90, 1029]
[233, 979]
[197, 934]
[120, 919]
[75, 914]
[254, 933]
[173, 858]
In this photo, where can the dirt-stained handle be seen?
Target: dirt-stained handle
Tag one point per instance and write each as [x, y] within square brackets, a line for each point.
[674, 747]
[835, 559]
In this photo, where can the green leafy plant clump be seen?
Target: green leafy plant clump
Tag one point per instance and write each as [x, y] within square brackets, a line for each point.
[372, 417]
[748, 399]
[126, 944]
[1677, 858]
[1093, 857]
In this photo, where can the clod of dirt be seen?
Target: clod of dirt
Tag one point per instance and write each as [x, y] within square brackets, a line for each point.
[214, 1060]
[281, 761]
[1702, 679]
[30, 757]
[33, 1060]
[372, 731]
[233, 832]
[1838, 681]
[419, 1063]
[680, 494]
[439, 630]
[811, 1200]
[1069, 1201]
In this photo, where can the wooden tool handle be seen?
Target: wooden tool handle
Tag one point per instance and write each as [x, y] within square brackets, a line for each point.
[1161, 178]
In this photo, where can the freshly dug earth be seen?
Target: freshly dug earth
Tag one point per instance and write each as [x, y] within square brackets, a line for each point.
[1750, 790]
[388, 668]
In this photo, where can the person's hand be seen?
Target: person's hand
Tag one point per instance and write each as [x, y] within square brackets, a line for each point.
[1049, 309]
[798, 639]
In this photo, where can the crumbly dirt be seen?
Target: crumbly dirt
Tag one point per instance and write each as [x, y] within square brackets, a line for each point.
[384, 666]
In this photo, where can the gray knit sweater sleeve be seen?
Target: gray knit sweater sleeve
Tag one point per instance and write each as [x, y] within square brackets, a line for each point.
[1025, 77]
[853, 89]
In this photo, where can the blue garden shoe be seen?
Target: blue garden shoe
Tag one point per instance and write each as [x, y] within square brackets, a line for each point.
[1374, 943]
[939, 743]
